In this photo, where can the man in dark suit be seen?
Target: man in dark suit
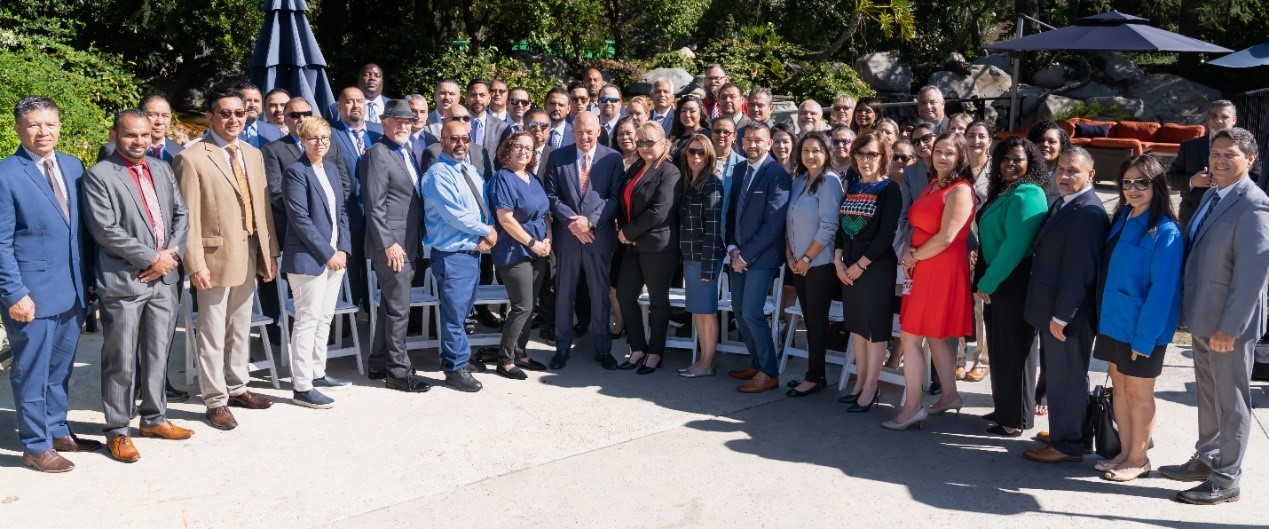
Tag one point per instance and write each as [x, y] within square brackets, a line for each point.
[159, 112]
[418, 136]
[610, 111]
[582, 182]
[370, 82]
[1189, 171]
[351, 136]
[394, 223]
[1222, 297]
[446, 96]
[42, 282]
[561, 132]
[487, 131]
[1061, 301]
[755, 242]
[136, 215]
[257, 131]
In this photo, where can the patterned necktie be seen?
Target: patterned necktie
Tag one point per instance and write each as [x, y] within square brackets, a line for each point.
[583, 178]
[53, 181]
[478, 132]
[244, 191]
[1211, 206]
[555, 139]
[360, 142]
[372, 111]
[409, 165]
[151, 205]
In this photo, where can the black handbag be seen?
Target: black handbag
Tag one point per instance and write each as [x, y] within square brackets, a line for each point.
[1100, 430]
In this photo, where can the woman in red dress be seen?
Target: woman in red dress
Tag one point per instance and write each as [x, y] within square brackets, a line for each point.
[940, 304]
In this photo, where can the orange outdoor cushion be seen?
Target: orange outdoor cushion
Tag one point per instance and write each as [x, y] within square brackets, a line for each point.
[1116, 143]
[1137, 130]
[1068, 125]
[1082, 142]
[1155, 146]
[1177, 133]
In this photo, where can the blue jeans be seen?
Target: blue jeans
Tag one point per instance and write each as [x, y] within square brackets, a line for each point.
[457, 276]
[748, 295]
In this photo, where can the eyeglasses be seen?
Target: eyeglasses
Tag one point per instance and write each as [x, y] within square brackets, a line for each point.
[580, 98]
[459, 140]
[609, 100]
[901, 158]
[1140, 184]
[497, 90]
[518, 102]
[537, 125]
[696, 151]
[645, 144]
[842, 109]
[521, 147]
[318, 140]
[926, 138]
[724, 132]
[463, 119]
[300, 115]
[865, 155]
[841, 143]
[226, 114]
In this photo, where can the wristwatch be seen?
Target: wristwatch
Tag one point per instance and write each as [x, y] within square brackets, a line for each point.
[532, 243]
[806, 259]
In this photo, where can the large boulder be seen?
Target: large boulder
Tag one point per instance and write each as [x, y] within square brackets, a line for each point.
[680, 80]
[1027, 97]
[1052, 76]
[1119, 69]
[1092, 89]
[1135, 107]
[784, 111]
[982, 81]
[1054, 106]
[999, 60]
[1172, 98]
[884, 72]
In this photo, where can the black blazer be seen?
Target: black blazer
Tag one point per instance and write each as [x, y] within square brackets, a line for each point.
[1066, 263]
[651, 221]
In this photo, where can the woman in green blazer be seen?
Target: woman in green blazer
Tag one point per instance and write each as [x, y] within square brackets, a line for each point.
[1007, 225]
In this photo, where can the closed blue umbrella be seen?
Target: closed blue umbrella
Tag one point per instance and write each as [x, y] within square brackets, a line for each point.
[1257, 55]
[1110, 31]
[287, 55]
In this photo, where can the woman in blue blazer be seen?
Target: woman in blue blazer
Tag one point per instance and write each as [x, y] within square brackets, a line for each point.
[1140, 294]
[314, 257]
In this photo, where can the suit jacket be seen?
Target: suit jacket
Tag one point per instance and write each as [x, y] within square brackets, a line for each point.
[217, 239]
[280, 154]
[1191, 158]
[352, 164]
[1066, 262]
[755, 220]
[477, 155]
[265, 132]
[39, 248]
[651, 222]
[432, 134]
[1223, 288]
[170, 150]
[495, 130]
[116, 216]
[566, 139]
[666, 121]
[598, 203]
[394, 208]
[540, 168]
[307, 248]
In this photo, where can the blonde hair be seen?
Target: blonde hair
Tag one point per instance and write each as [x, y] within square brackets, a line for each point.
[312, 126]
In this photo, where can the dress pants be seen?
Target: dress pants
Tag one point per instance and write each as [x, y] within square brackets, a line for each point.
[136, 339]
[314, 298]
[43, 354]
[224, 338]
[749, 291]
[571, 266]
[523, 281]
[457, 278]
[1224, 407]
[1009, 339]
[546, 298]
[815, 295]
[1066, 365]
[388, 352]
[657, 271]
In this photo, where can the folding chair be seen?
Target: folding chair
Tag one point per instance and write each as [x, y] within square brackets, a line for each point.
[678, 299]
[841, 358]
[769, 308]
[419, 297]
[344, 308]
[259, 322]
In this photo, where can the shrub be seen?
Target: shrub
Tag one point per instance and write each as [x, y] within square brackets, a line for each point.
[759, 56]
[1094, 110]
[822, 81]
[622, 73]
[674, 59]
[464, 65]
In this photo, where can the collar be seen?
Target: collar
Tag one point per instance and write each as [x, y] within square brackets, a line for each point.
[590, 153]
[129, 163]
[761, 161]
[38, 159]
[1224, 191]
[219, 141]
[1066, 199]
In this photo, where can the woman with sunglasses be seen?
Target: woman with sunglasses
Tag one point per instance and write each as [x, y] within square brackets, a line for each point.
[689, 119]
[840, 138]
[700, 212]
[1007, 226]
[867, 113]
[843, 110]
[1140, 293]
[647, 223]
[866, 264]
[810, 225]
[978, 139]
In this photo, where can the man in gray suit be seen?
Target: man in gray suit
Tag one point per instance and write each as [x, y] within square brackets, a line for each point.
[487, 131]
[1222, 298]
[159, 112]
[136, 215]
[394, 222]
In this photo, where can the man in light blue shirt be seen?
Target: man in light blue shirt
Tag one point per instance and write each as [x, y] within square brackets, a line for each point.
[458, 227]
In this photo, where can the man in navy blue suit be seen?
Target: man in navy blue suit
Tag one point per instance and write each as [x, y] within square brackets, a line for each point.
[42, 287]
[353, 135]
[755, 242]
[258, 131]
[582, 181]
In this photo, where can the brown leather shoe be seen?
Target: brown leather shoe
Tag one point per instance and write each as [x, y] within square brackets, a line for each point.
[122, 449]
[72, 443]
[743, 374]
[977, 374]
[1043, 437]
[960, 373]
[760, 383]
[1048, 454]
[250, 401]
[167, 430]
[48, 461]
[221, 418]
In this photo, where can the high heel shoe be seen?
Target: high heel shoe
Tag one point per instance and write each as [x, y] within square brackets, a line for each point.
[865, 408]
[819, 386]
[956, 404]
[645, 369]
[849, 399]
[1001, 431]
[918, 419]
[628, 365]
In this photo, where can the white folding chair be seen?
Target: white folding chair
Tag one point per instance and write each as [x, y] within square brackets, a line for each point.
[344, 308]
[419, 297]
[791, 349]
[678, 299]
[769, 308]
[259, 322]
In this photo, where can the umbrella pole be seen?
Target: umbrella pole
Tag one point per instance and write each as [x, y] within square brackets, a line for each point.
[1013, 92]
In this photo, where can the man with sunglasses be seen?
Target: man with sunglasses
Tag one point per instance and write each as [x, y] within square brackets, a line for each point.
[610, 110]
[578, 99]
[498, 93]
[231, 241]
[518, 105]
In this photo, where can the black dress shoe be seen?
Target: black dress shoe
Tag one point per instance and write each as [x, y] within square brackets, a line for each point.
[936, 388]
[475, 367]
[469, 326]
[409, 384]
[559, 360]
[376, 375]
[818, 387]
[175, 395]
[486, 355]
[524, 362]
[990, 416]
[488, 318]
[1207, 494]
[1001, 431]
[514, 373]
[1260, 372]
[607, 361]
[463, 381]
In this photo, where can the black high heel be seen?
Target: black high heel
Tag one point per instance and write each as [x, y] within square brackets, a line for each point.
[628, 365]
[849, 399]
[644, 369]
[618, 334]
[857, 408]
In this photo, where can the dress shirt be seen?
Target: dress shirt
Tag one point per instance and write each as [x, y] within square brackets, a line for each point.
[149, 208]
[39, 163]
[452, 216]
[222, 143]
[1206, 209]
[556, 135]
[374, 107]
[329, 191]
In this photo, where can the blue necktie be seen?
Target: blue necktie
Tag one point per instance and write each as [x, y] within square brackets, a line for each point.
[555, 139]
[1207, 213]
[478, 132]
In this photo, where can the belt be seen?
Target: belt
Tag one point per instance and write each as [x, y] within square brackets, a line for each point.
[464, 252]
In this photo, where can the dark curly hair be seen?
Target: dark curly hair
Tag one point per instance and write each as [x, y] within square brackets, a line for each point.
[504, 150]
[1037, 173]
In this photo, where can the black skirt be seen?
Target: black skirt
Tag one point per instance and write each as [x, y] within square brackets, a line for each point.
[868, 305]
[1120, 354]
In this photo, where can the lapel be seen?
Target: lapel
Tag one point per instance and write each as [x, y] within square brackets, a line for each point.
[124, 174]
[395, 155]
[574, 176]
[1058, 215]
[293, 147]
[649, 174]
[217, 156]
[1224, 205]
[757, 174]
[312, 177]
[37, 178]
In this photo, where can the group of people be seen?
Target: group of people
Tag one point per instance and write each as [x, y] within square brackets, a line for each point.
[585, 204]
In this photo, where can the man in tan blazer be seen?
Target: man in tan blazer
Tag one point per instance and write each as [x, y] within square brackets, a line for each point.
[231, 240]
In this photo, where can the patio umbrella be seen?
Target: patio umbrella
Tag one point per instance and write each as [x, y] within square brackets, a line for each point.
[287, 55]
[1110, 31]
[1257, 55]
